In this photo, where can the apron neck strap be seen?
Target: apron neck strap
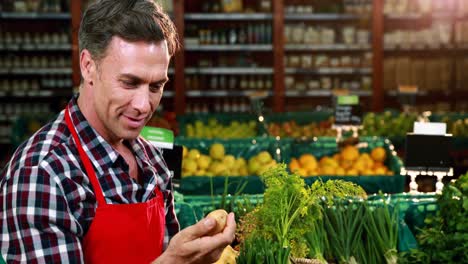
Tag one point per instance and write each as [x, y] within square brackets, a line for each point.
[85, 159]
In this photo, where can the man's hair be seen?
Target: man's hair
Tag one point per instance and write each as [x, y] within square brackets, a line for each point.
[131, 20]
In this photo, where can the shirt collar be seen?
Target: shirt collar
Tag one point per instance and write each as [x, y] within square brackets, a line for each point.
[101, 153]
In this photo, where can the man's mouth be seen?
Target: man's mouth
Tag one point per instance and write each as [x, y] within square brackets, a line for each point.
[135, 122]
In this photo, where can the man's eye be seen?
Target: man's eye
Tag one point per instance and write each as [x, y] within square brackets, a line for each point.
[156, 88]
[129, 84]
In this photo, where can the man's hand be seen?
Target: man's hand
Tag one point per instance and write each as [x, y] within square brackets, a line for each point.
[193, 245]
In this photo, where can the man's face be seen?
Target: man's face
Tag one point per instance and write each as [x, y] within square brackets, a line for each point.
[128, 86]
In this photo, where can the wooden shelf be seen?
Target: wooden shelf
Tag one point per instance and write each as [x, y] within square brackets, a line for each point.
[323, 93]
[230, 70]
[36, 71]
[327, 47]
[35, 16]
[36, 94]
[325, 71]
[224, 93]
[243, 47]
[320, 17]
[36, 47]
[228, 16]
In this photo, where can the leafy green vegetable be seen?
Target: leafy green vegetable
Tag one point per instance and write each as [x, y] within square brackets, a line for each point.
[259, 250]
[445, 237]
[291, 209]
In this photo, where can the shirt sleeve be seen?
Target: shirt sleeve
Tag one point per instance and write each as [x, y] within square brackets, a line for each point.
[37, 226]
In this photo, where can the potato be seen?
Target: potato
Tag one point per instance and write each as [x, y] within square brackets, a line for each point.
[221, 219]
[228, 256]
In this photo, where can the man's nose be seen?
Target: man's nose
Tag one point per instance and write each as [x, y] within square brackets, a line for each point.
[141, 100]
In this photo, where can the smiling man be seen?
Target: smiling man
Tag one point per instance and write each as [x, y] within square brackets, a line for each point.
[86, 187]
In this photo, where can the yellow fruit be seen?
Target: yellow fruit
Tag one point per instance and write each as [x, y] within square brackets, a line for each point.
[327, 170]
[380, 171]
[204, 162]
[352, 172]
[239, 163]
[368, 172]
[347, 164]
[302, 172]
[254, 165]
[264, 157]
[328, 162]
[305, 159]
[190, 166]
[294, 165]
[377, 165]
[184, 151]
[340, 172]
[312, 173]
[243, 171]
[379, 154]
[350, 153]
[193, 154]
[337, 157]
[229, 161]
[220, 216]
[217, 151]
[200, 173]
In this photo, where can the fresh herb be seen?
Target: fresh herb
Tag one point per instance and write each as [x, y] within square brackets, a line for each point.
[445, 237]
[291, 209]
[259, 250]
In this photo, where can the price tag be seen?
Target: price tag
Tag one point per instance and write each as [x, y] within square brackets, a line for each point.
[428, 152]
[159, 137]
[408, 89]
[347, 110]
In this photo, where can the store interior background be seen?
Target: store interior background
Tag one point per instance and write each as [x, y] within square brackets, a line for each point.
[293, 55]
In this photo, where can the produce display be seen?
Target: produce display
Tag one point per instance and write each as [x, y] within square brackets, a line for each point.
[347, 162]
[456, 127]
[299, 222]
[387, 124]
[445, 237]
[214, 129]
[294, 130]
[218, 163]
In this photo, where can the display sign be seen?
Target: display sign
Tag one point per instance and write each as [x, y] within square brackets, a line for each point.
[173, 159]
[347, 110]
[428, 152]
[159, 137]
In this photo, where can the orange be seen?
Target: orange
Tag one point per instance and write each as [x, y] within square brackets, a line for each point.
[294, 165]
[350, 153]
[379, 154]
[308, 161]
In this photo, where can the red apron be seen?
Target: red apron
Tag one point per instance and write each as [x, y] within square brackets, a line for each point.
[121, 233]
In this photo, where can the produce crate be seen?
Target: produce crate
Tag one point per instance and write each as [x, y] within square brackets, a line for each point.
[245, 148]
[222, 118]
[200, 185]
[371, 184]
[413, 209]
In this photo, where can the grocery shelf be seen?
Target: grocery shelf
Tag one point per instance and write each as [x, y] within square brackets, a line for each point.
[35, 94]
[407, 16]
[229, 70]
[323, 93]
[55, 16]
[221, 93]
[326, 47]
[228, 16]
[36, 71]
[329, 71]
[320, 16]
[36, 47]
[240, 47]
[421, 47]
[5, 140]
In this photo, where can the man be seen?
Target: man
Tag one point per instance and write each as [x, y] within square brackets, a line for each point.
[86, 188]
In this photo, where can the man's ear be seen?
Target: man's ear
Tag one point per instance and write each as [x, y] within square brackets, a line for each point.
[87, 67]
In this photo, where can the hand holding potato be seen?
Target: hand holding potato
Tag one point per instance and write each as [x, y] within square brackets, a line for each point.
[203, 242]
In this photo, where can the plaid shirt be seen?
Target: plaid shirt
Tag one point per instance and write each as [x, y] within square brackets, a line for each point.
[47, 202]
